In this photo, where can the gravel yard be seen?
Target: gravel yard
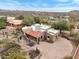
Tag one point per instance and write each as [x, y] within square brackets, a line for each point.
[57, 50]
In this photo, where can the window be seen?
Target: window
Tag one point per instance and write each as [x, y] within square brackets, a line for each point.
[48, 36]
[41, 37]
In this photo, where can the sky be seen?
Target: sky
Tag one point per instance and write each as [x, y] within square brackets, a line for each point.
[40, 5]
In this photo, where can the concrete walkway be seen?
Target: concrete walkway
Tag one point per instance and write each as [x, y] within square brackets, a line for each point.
[57, 50]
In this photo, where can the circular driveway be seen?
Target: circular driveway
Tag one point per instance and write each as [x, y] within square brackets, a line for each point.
[56, 50]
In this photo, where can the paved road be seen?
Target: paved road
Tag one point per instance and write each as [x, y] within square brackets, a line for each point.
[57, 50]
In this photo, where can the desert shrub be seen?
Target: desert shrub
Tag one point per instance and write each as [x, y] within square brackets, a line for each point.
[11, 50]
[2, 23]
[9, 44]
[34, 53]
[67, 57]
[75, 37]
[13, 53]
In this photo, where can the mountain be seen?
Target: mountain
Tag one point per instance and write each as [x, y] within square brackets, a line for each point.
[74, 12]
[30, 13]
[37, 13]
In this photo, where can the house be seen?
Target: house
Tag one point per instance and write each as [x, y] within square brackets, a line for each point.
[66, 18]
[40, 27]
[15, 22]
[2, 17]
[10, 18]
[51, 17]
[39, 32]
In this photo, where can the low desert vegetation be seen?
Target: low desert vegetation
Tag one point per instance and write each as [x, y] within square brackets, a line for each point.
[2, 23]
[34, 53]
[11, 50]
[67, 57]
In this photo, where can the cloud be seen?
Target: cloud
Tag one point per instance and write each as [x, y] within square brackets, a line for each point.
[76, 1]
[63, 0]
[10, 4]
[39, 5]
[54, 9]
[45, 5]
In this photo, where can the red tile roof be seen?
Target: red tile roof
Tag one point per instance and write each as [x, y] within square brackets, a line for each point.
[33, 33]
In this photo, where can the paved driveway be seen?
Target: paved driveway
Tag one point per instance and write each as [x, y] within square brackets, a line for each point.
[57, 50]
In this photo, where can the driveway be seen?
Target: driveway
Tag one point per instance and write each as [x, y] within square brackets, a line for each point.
[56, 50]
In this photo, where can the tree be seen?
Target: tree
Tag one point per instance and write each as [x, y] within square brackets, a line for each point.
[61, 25]
[2, 23]
[28, 21]
[44, 21]
[21, 17]
[18, 29]
[36, 19]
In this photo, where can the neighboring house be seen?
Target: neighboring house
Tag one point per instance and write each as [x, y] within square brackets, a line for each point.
[40, 32]
[10, 18]
[15, 22]
[66, 18]
[2, 17]
[51, 17]
[54, 18]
